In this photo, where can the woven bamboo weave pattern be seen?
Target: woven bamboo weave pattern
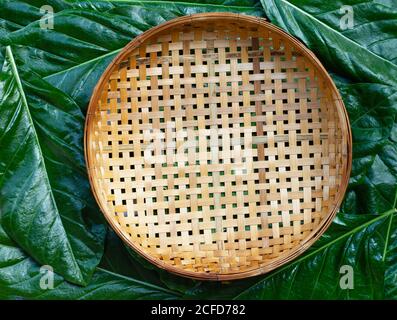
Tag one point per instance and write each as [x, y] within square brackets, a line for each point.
[217, 148]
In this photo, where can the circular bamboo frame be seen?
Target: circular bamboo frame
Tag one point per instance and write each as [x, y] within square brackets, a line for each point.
[276, 85]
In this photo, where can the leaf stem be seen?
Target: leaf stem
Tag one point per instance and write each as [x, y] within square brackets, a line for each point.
[387, 238]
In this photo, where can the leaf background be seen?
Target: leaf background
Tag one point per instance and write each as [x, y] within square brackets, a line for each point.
[58, 70]
[43, 186]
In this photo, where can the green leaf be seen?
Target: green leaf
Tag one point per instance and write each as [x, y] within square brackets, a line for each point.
[373, 112]
[336, 50]
[28, 12]
[20, 279]
[373, 27]
[358, 241]
[43, 183]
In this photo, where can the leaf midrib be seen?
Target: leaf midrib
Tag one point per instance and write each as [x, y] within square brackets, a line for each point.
[343, 236]
[46, 178]
[387, 237]
[388, 233]
[372, 108]
[132, 2]
[82, 64]
[153, 286]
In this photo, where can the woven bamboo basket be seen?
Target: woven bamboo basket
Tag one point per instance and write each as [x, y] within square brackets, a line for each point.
[217, 146]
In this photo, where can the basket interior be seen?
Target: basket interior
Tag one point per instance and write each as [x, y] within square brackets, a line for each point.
[217, 147]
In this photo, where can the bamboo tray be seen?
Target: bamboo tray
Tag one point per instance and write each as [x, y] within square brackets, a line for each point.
[217, 146]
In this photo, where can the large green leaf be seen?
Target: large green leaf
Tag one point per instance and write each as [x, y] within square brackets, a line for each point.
[373, 27]
[372, 109]
[20, 279]
[43, 183]
[338, 50]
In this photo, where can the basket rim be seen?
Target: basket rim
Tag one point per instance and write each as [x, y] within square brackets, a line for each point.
[344, 120]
